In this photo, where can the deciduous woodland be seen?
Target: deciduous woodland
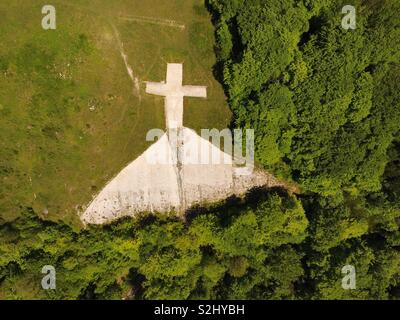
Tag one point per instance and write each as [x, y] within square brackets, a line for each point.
[325, 106]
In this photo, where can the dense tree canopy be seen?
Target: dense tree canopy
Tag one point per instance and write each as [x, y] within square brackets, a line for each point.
[325, 106]
[162, 258]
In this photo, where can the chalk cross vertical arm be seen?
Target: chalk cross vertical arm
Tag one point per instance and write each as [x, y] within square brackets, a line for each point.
[174, 92]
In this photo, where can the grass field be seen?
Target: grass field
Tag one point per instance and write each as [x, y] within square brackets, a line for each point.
[70, 116]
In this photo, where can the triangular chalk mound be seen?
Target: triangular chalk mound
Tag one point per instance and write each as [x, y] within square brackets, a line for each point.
[139, 187]
[172, 175]
[164, 180]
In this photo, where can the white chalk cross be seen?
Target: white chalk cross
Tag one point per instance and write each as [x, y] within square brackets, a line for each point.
[174, 91]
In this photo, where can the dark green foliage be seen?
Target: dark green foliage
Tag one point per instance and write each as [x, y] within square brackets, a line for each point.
[325, 106]
[214, 256]
[323, 101]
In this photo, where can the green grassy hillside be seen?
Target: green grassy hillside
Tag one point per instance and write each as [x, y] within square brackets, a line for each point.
[70, 116]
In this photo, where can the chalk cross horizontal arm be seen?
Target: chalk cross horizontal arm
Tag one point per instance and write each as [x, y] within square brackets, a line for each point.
[174, 91]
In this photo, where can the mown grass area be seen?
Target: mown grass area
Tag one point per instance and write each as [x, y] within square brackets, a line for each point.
[70, 117]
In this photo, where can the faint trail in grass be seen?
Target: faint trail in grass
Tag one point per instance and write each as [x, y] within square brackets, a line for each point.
[135, 80]
[152, 20]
